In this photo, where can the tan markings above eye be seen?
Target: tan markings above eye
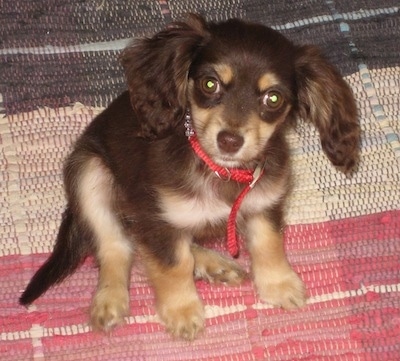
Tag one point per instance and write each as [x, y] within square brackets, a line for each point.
[224, 72]
[266, 81]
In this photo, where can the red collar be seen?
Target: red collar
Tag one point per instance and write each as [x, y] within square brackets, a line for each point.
[235, 174]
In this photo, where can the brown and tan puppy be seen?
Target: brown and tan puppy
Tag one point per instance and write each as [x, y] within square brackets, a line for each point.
[134, 182]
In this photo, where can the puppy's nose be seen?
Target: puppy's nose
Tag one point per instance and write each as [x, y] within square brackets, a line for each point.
[229, 142]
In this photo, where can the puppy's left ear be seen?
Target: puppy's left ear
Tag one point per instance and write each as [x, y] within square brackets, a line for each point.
[156, 69]
[327, 101]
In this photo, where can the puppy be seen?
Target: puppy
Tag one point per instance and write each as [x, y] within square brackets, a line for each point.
[196, 147]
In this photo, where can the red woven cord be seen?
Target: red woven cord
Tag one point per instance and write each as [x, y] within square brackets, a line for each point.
[238, 175]
[231, 235]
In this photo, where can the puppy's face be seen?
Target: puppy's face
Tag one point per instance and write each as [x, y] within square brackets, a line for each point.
[242, 82]
[241, 89]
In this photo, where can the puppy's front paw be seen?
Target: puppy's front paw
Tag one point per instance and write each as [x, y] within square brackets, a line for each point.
[184, 320]
[109, 307]
[285, 290]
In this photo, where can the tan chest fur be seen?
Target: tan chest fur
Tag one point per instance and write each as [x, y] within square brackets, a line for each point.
[207, 207]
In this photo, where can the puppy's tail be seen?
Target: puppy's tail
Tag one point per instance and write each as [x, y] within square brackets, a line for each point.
[69, 251]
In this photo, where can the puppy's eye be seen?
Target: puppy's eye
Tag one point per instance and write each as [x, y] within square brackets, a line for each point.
[273, 100]
[210, 85]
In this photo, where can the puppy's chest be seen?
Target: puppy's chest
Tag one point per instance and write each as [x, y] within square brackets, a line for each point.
[208, 205]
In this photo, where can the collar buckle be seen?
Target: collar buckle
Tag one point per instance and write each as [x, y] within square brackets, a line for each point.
[257, 174]
[225, 178]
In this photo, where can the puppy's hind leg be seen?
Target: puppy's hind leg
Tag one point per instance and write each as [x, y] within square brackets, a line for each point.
[216, 268]
[110, 304]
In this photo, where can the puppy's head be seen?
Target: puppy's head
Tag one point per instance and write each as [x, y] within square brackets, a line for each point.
[241, 90]
[242, 83]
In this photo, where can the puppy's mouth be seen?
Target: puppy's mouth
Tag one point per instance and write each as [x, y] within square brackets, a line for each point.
[228, 161]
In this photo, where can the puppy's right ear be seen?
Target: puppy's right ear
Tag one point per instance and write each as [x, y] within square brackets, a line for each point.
[157, 70]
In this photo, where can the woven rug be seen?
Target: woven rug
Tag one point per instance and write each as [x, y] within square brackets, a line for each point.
[58, 70]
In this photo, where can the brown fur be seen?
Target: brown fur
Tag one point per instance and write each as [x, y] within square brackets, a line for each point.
[134, 184]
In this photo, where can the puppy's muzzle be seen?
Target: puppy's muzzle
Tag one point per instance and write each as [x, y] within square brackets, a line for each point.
[229, 142]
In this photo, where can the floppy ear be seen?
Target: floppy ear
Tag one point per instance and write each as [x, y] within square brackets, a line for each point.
[327, 101]
[156, 70]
